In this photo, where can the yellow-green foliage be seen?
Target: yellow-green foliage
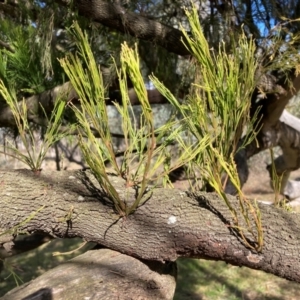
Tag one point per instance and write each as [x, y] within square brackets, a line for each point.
[219, 106]
[216, 114]
[146, 146]
[35, 151]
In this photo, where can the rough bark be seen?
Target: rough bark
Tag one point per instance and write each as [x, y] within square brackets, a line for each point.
[118, 18]
[169, 225]
[102, 274]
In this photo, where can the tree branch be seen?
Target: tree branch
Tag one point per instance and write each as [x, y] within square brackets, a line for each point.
[276, 102]
[6, 46]
[38, 105]
[169, 225]
[117, 17]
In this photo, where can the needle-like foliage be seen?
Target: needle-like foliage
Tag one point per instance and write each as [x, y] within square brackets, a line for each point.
[146, 158]
[219, 106]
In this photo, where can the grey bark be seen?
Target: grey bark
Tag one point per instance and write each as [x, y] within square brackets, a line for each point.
[117, 17]
[169, 225]
[101, 274]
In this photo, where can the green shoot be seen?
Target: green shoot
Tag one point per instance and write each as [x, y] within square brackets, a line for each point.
[35, 150]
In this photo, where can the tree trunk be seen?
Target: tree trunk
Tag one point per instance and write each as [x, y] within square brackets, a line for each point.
[169, 225]
[102, 274]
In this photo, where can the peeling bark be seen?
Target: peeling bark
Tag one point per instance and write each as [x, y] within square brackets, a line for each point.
[169, 225]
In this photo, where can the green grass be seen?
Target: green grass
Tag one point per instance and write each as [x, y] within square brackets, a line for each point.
[216, 280]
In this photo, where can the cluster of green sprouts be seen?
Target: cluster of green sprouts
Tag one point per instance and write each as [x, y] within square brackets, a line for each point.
[213, 119]
[146, 146]
[219, 106]
[35, 151]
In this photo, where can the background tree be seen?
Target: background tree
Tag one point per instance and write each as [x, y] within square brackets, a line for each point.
[34, 37]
